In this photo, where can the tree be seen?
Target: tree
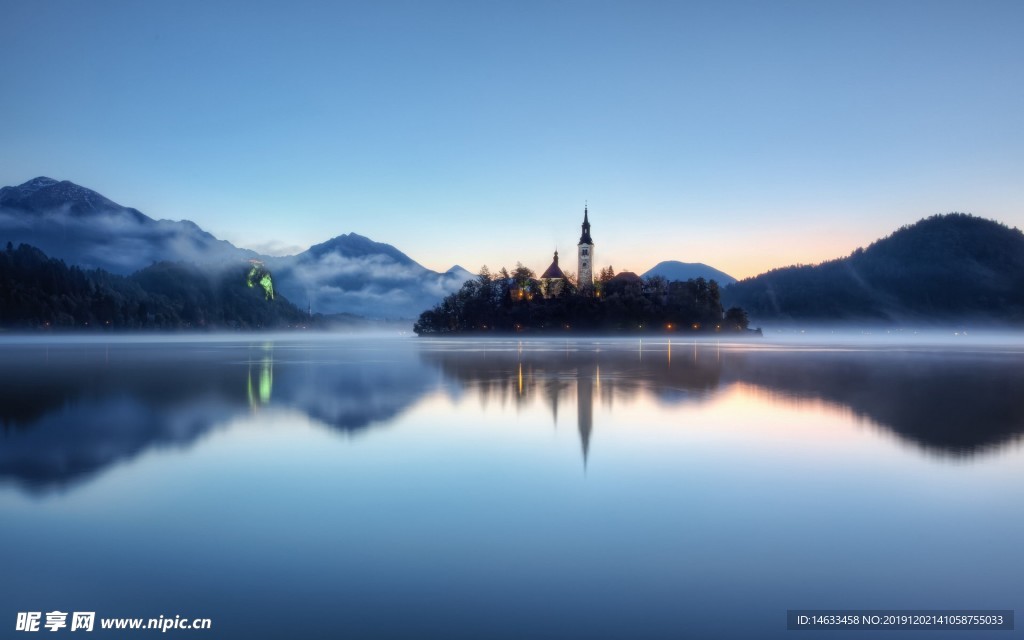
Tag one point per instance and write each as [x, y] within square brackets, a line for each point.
[736, 317]
[522, 275]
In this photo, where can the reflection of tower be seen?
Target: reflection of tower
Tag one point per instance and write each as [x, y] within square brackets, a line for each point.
[584, 409]
[552, 389]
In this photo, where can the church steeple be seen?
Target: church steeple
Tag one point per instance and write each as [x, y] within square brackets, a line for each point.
[586, 254]
[585, 236]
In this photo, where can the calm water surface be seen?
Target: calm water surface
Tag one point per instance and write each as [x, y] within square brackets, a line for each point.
[403, 488]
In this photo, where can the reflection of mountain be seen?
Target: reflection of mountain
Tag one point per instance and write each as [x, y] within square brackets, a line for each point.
[70, 411]
[350, 389]
[955, 403]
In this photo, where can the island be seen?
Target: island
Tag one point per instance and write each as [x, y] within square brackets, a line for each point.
[556, 302]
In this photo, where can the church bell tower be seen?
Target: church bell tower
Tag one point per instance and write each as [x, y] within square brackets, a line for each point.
[586, 256]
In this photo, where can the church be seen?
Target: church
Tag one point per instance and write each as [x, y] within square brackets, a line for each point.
[622, 303]
[552, 279]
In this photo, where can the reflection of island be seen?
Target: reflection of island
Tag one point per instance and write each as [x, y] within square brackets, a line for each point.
[957, 403]
[559, 376]
[68, 412]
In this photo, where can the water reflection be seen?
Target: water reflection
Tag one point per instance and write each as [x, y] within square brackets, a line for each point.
[956, 403]
[260, 390]
[567, 374]
[70, 411]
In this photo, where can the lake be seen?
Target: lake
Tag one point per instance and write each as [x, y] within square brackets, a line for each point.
[391, 487]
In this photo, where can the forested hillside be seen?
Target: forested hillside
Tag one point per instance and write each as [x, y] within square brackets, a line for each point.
[41, 292]
[953, 266]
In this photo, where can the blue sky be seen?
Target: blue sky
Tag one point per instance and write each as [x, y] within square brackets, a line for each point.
[747, 135]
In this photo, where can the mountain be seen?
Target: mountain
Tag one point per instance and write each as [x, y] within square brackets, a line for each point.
[460, 273]
[44, 195]
[347, 274]
[953, 266]
[683, 271]
[86, 229]
[354, 274]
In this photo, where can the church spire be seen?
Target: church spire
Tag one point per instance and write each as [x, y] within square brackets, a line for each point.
[585, 236]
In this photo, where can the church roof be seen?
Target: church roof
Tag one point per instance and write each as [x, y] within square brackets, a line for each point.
[626, 276]
[553, 272]
[585, 236]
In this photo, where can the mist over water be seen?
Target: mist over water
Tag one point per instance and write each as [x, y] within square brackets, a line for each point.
[583, 487]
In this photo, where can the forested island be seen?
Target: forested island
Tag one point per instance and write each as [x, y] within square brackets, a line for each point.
[519, 302]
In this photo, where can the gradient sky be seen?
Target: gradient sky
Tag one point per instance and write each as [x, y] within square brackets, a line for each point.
[746, 135]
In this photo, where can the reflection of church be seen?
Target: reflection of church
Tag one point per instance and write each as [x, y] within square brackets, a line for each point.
[585, 407]
[582, 377]
[587, 377]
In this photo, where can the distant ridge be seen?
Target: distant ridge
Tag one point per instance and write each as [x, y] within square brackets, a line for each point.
[43, 194]
[683, 271]
[83, 228]
[952, 266]
[354, 245]
[349, 273]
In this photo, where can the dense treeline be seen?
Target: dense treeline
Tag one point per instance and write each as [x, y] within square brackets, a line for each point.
[953, 266]
[514, 302]
[41, 292]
